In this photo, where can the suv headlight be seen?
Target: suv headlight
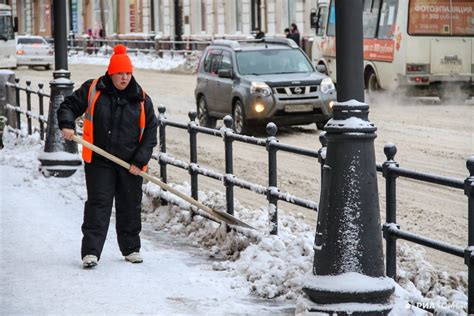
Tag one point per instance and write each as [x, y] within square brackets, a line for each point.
[327, 85]
[260, 88]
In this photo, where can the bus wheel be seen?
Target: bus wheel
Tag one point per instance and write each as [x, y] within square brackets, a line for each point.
[372, 83]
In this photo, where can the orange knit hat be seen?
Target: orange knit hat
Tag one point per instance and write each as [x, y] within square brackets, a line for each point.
[119, 62]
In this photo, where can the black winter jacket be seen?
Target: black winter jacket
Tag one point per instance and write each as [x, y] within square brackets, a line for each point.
[116, 120]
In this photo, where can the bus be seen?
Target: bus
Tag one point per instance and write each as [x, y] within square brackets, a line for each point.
[7, 38]
[418, 47]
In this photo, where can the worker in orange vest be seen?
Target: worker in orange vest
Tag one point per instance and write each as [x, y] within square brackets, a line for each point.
[120, 119]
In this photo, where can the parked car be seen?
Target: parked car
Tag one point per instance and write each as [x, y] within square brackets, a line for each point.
[34, 51]
[257, 82]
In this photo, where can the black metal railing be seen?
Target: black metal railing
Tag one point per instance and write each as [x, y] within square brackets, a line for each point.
[271, 144]
[26, 114]
[158, 47]
[391, 230]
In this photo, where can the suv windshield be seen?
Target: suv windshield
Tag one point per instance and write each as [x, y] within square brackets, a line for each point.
[272, 61]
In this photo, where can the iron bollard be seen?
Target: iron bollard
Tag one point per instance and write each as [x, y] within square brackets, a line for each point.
[41, 109]
[28, 106]
[390, 151]
[193, 155]
[17, 97]
[60, 157]
[229, 169]
[6, 115]
[348, 238]
[162, 140]
[469, 252]
[272, 177]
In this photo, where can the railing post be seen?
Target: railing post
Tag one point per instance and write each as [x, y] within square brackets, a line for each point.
[272, 177]
[229, 168]
[193, 154]
[41, 110]
[322, 153]
[17, 96]
[7, 78]
[162, 140]
[28, 106]
[390, 151]
[469, 252]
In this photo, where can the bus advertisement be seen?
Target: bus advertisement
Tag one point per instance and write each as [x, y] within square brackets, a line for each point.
[419, 47]
[7, 38]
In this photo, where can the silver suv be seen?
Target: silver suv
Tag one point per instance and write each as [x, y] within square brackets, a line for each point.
[261, 81]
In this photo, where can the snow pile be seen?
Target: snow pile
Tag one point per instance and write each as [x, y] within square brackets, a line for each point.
[140, 60]
[275, 266]
[270, 266]
[23, 152]
[429, 287]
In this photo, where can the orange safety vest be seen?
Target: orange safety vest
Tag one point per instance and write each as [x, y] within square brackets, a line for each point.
[88, 127]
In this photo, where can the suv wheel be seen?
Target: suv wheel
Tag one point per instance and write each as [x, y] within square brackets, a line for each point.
[320, 125]
[238, 114]
[203, 114]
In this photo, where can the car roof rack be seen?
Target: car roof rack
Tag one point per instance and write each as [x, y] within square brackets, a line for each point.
[235, 44]
[280, 40]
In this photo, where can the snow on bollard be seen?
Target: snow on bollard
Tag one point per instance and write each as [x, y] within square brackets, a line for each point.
[345, 286]
[60, 162]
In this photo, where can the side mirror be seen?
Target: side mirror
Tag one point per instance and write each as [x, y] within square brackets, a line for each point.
[225, 73]
[321, 68]
[15, 24]
[314, 20]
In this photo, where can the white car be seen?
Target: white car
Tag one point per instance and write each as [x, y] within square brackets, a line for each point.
[34, 51]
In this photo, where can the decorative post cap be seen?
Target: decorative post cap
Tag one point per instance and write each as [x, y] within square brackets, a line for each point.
[350, 116]
[390, 150]
[192, 116]
[470, 165]
[161, 109]
[323, 139]
[228, 121]
[272, 129]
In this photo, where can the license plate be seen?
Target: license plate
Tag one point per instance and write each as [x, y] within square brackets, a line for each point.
[36, 59]
[298, 108]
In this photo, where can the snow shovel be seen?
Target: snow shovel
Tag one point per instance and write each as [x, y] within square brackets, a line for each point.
[222, 216]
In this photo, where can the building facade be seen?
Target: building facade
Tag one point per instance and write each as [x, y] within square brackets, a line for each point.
[230, 17]
[206, 18]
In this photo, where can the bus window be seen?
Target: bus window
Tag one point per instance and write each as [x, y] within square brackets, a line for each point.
[370, 16]
[388, 15]
[453, 18]
[332, 20]
[321, 21]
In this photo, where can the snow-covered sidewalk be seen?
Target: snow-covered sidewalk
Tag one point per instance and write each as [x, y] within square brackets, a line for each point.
[41, 270]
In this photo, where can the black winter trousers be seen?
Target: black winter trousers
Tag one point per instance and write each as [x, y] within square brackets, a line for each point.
[105, 182]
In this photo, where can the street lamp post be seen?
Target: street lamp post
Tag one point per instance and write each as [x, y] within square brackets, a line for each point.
[348, 274]
[178, 23]
[60, 158]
